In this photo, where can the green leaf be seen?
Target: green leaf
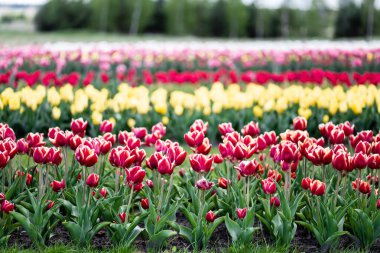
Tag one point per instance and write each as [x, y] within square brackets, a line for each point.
[158, 239]
[233, 228]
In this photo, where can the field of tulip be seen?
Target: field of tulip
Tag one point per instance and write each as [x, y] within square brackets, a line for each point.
[289, 190]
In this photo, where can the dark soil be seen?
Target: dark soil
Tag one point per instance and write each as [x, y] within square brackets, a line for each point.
[220, 240]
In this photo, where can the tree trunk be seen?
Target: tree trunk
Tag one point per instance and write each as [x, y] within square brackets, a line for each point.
[134, 28]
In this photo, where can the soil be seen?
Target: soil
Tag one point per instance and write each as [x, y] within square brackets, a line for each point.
[220, 240]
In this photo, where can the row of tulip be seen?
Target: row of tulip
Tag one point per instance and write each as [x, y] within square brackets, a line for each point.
[328, 185]
[199, 77]
[36, 109]
[115, 57]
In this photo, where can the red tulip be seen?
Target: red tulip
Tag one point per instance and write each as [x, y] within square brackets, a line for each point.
[29, 179]
[201, 163]
[139, 132]
[149, 183]
[152, 162]
[241, 212]
[22, 146]
[199, 125]
[120, 157]
[341, 161]
[336, 136]
[359, 161]
[86, 156]
[7, 206]
[181, 172]
[41, 155]
[205, 148]
[75, 141]
[2, 197]
[60, 138]
[261, 143]
[347, 128]
[270, 138]
[363, 186]
[248, 168]
[373, 161]
[159, 129]
[289, 152]
[275, 175]
[363, 147]
[151, 139]
[7, 132]
[145, 203]
[268, 185]
[223, 183]
[110, 137]
[275, 201]
[299, 123]
[317, 187]
[103, 192]
[240, 151]
[35, 140]
[78, 126]
[305, 183]
[57, 185]
[226, 149]
[251, 129]
[218, 159]
[135, 175]
[122, 217]
[203, 184]
[225, 128]
[378, 204]
[4, 158]
[194, 139]
[176, 155]
[55, 156]
[165, 166]
[50, 204]
[92, 180]
[106, 126]
[210, 216]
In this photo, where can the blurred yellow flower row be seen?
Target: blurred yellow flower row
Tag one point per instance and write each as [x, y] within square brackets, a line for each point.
[208, 100]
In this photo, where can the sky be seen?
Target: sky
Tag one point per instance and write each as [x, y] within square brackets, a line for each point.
[303, 4]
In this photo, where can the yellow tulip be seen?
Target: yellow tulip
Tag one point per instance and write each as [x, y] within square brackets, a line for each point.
[56, 113]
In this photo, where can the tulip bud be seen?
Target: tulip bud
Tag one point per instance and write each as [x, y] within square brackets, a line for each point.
[7, 206]
[378, 204]
[145, 203]
[149, 183]
[317, 187]
[106, 126]
[241, 213]
[223, 183]
[305, 183]
[4, 158]
[122, 217]
[299, 123]
[103, 192]
[50, 204]
[268, 185]
[361, 186]
[2, 197]
[210, 216]
[182, 172]
[57, 185]
[92, 180]
[275, 201]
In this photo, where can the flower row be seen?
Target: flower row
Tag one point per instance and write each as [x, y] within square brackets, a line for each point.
[148, 77]
[329, 186]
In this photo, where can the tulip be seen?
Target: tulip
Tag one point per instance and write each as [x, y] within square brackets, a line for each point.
[378, 204]
[223, 183]
[275, 175]
[317, 187]
[240, 151]
[145, 203]
[373, 161]
[121, 157]
[103, 192]
[92, 180]
[10, 146]
[241, 212]
[201, 163]
[60, 138]
[7, 132]
[359, 161]
[336, 136]
[86, 156]
[122, 217]
[305, 183]
[225, 128]
[75, 141]
[2, 197]
[35, 140]
[194, 139]
[363, 147]
[50, 204]
[29, 179]
[149, 183]
[203, 184]
[341, 161]
[41, 155]
[181, 172]
[205, 148]
[248, 168]
[110, 137]
[251, 129]
[362, 186]
[22, 146]
[275, 201]
[210, 216]
[261, 143]
[160, 129]
[218, 159]
[139, 132]
[7, 206]
[135, 175]
[176, 155]
[347, 128]
[289, 152]
[268, 185]
[78, 126]
[226, 150]
[57, 186]
[299, 123]
[106, 126]
[4, 158]
[140, 155]
[165, 167]
[151, 139]
[270, 138]
[55, 156]
[152, 162]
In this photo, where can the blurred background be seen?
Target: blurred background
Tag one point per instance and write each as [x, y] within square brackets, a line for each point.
[245, 19]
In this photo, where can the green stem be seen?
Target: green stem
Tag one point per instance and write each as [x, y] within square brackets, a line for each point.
[161, 195]
[337, 187]
[169, 190]
[3, 179]
[129, 204]
[323, 173]
[66, 163]
[40, 182]
[46, 179]
[117, 180]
